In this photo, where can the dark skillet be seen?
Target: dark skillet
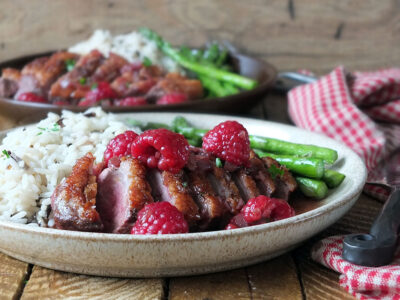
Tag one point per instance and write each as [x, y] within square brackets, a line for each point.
[245, 65]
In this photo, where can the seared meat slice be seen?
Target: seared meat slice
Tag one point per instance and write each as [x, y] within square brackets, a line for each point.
[176, 83]
[174, 189]
[9, 82]
[34, 66]
[211, 208]
[11, 74]
[200, 160]
[74, 200]
[246, 184]
[284, 182]
[69, 86]
[53, 68]
[123, 191]
[28, 82]
[264, 181]
[227, 190]
[136, 81]
[109, 69]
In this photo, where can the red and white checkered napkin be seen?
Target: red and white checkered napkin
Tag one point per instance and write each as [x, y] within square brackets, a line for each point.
[362, 282]
[350, 108]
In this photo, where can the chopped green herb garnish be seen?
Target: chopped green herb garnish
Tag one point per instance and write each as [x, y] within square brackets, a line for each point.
[275, 171]
[55, 127]
[6, 153]
[69, 64]
[218, 162]
[82, 80]
[184, 184]
[94, 86]
[147, 62]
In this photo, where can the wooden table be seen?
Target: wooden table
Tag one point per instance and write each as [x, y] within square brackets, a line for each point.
[293, 34]
[291, 276]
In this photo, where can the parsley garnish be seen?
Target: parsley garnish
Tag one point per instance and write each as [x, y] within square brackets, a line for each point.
[54, 128]
[184, 184]
[69, 64]
[147, 62]
[6, 153]
[218, 162]
[82, 80]
[275, 171]
[94, 86]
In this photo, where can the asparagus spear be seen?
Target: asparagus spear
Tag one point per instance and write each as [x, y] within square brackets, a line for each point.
[309, 167]
[283, 147]
[312, 188]
[216, 73]
[333, 178]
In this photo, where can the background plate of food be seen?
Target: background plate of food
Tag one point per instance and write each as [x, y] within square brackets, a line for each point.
[138, 71]
[35, 160]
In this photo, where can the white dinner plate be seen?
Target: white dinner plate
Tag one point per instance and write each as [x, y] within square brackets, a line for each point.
[193, 253]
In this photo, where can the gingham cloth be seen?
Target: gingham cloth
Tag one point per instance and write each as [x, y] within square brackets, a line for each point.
[361, 110]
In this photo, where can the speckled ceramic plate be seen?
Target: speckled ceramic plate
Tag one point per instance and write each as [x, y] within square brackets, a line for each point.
[194, 253]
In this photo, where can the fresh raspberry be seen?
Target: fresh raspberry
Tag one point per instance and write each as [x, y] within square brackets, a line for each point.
[31, 97]
[160, 218]
[120, 145]
[162, 148]
[229, 141]
[174, 98]
[260, 210]
[131, 101]
[102, 91]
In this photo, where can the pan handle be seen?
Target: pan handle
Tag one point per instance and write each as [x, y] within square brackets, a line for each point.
[378, 247]
[288, 80]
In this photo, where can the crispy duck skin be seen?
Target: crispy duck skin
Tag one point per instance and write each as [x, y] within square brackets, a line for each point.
[9, 82]
[109, 69]
[176, 83]
[260, 174]
[69, 86]
[223, 184]
[11, 74]
[123, 191]
[74, 200]
[285, 183]
[34, 66]
[211, 207]
[246, 184]
[180, 197]
[53, 68]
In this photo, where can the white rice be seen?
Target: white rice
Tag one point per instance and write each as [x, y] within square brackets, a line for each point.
[132, 46]
[48, 152]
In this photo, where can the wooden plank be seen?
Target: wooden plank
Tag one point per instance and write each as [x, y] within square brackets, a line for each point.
[225, 285]
[12, 277]
[275, 279]
[306, 34]
[49, 284]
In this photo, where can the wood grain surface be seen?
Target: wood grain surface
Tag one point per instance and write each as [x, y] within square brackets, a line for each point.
[313, 34]
[12, 277]
[49, 284]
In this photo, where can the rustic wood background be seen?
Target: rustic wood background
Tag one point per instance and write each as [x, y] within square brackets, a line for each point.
[293, 34]
[313, 34]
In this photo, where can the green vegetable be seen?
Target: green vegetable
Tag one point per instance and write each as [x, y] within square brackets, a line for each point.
[6, 153]
[309, 167]
[213, 85]
[288, 148]
[70, 64]
[200, 69]
[274, 171]
[82, 80]
[312, 188]
[333, 178]
[94, 86]
[147, 62]
[218, 162]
